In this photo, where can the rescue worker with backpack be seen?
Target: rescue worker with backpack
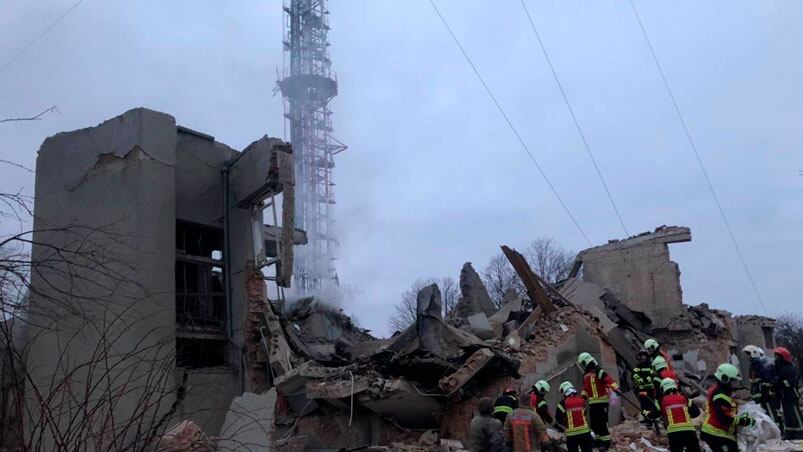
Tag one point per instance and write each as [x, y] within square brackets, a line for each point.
[677, 412]
[539, 403]
[654, 349]
[596, 383]
[762, 382]
[505, 404]
[643, 376]
[570, 417]
[786, 388]
[721, 420]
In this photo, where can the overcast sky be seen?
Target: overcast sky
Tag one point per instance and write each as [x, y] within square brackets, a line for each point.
[433, 177]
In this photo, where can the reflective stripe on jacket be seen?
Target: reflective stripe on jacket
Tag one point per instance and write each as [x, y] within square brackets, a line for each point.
[571, 414]
[643, 378]
[596, 384]
[720, 414]
[675, 409]
[525, 429]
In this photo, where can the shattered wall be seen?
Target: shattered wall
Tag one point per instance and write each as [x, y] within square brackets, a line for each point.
[638, 272]
[106, 192]
[115, 196]
[753, 330]
[550, 355]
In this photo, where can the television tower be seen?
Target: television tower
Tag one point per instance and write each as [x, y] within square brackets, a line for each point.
[309, 85]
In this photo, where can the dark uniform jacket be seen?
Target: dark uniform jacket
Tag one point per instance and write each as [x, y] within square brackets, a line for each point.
[486, 435]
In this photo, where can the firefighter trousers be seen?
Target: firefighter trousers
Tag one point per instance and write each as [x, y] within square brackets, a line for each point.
[647, 407]
[719, 444]
[792, 423]
[598, 419]
[684, 441]
[581, 443]
[771, 406]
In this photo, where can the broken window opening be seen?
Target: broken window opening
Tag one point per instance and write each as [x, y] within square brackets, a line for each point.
[199, 240]
[195, 353]
[200, 293]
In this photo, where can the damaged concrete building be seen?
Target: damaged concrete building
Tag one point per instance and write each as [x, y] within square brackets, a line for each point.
[171, 309]
[159, 225]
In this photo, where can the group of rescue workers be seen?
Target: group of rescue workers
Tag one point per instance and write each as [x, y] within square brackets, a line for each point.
[582, 416]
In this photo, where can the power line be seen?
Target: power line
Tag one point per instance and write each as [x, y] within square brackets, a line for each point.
[40, 36]
[574, 117]
[509, 122]
[697, 156]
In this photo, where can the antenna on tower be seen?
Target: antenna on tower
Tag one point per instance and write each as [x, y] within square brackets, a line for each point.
[309, 85]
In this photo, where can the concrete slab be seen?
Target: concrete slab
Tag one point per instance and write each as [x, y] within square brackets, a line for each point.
[249, 423]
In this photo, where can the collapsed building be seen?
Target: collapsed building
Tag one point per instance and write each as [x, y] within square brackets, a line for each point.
[172, 312]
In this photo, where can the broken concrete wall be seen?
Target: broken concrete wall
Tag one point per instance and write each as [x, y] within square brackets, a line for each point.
[114, 195]
[199, 181]
[474, 297]
[209, 394]
[753, 330]
[708, 343]
[249, 423]
[550, 355]
[106, 193]
[639, 272]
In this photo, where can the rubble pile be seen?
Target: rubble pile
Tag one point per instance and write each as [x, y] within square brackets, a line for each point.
[338, 387]
[631, 431]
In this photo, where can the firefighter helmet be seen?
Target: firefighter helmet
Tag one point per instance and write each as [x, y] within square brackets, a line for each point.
[783, 352]
[567, 388]
[667, 384]
[727, 373]
[753, 351]
[659, 363]
[584, 359]
[651, 345]
[643, 353]
[541, 387]
[509, 391]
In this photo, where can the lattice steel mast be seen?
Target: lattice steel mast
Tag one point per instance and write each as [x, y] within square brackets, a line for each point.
[309, 85]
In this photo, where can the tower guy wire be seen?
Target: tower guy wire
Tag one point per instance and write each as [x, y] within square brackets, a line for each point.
[574, 117]
[509, 122]
[39, 36]
[693, 147]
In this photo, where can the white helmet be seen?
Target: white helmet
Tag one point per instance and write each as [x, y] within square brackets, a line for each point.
[753, 351]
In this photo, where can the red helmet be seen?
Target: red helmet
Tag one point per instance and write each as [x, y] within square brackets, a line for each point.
[509, 391]
[783, 352]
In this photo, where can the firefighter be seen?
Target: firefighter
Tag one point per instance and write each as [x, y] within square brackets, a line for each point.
[721, 421]
[486, 432]
[643, 376]
[596, 383]
[677, 411]
[525, 431]
[786, 388]
[654, 349]
[540, 390]
[505, 404]
[570, 416]
[662, 371]
[762, 382]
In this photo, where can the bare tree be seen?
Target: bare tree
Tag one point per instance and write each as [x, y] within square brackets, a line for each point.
[404, 311]
[789, 334]
[550, 260]
[88, 305]
[450, 292]
[499, 277]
